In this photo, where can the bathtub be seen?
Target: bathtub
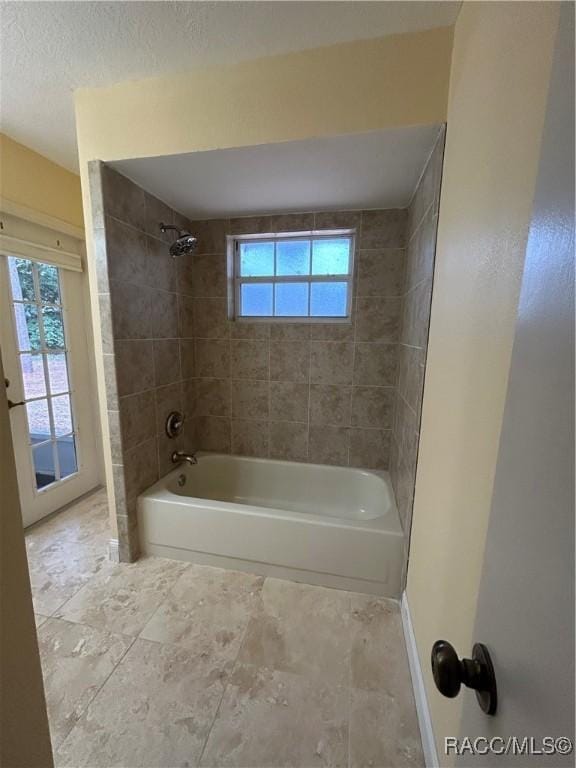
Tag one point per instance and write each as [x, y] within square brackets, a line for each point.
[332, 526]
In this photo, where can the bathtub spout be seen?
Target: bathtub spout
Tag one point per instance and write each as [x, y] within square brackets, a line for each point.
[179, 456]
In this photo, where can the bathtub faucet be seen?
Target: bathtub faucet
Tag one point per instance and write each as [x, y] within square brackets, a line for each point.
[179, 456]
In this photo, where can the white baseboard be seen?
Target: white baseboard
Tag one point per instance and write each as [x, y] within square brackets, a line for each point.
[424, 719]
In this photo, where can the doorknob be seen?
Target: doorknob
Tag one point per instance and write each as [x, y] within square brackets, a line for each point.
[477, 673]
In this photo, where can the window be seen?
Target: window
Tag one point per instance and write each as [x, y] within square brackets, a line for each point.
[293, 277]
[42, 354]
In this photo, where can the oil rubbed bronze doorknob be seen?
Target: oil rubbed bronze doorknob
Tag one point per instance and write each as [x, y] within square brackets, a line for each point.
[477, 673]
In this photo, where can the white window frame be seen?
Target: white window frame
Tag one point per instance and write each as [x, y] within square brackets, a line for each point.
[235, 280]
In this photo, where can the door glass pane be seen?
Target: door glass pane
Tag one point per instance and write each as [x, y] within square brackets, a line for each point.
[328, 299]
[66, 455]
[21, 279]
[293, 257]
[53, 328]
[38, 420]
[58, 373]
[291, 299]
[33, 376]
[49, 284]
[27, 327]
[257, 259]
[44, 468]
[256, 299]
[331, 256]
[62, 415]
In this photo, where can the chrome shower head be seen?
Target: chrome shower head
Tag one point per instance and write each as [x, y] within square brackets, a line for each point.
[184, 243]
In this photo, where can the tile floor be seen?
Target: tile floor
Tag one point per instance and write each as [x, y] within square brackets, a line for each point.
[165, 664]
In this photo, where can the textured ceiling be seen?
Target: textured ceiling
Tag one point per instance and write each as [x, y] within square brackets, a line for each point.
[369, 170]
[48, 49]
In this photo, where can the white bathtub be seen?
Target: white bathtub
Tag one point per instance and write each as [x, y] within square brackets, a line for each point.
[332, 526]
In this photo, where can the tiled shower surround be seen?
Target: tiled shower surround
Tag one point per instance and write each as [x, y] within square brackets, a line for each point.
[322, 393]
[413, 335]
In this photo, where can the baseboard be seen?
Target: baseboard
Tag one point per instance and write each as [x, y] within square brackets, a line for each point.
[424, 719]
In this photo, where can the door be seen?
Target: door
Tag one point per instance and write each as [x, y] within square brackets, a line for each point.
[44, 351]
[525, 610]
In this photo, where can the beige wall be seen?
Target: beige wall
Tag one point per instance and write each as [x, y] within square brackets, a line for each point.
[498, 87]
[29, 180]
[25, 739]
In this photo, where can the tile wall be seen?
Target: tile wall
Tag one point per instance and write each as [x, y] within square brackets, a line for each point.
[320, 393]
[413, 333]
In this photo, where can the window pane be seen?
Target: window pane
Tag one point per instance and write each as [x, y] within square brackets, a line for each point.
[49, 283]
[257, 259]
[33, 376]
[291, 299]
[58, 373]
[53, 328]
[38, 420]
[293, 257]
[256, 299]
[66, 455]
[43, 456]
[62, 415]
[331, 256]
[27, 327]
[21, 279]
[328, 299]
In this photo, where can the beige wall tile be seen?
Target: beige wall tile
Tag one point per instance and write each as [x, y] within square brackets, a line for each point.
[134, 366]
[328, 445]
[288, 440]
[161, 267]
[292, 222]
[370, 448]
[337, 220]
[186, 316]
[330, 404]
[185, 273]
[331, 362]
[213, 397]
[211, 318]
[384, 229]
[373, 406]
[289, 361]
[249, 359]
[122, 198]
[213, 433]
[105, 308]
[211, 235]
[137, 418]
[157, 212]
[110, 382]
[115, 436]
[416, 315]
[212, 358]
[209, 278]
[375, 363]
[126, 253]
[187, 358]
[250, 399]
[166, 361]
[288, 401]
[377, 319]
[381, 272]
[420, 252]
[290, 332]
[250, 437]
[140, 468]
[164, 315]
[131, 310]
[411, 375]
[242, 330]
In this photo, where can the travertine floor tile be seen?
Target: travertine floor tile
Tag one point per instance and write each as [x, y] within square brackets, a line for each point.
[384, 731]
[66, 551]
[301, 629]
[39, 619]
[155, 711]
[123, 597]
[76, 661]
[207, 611]
[270, 718]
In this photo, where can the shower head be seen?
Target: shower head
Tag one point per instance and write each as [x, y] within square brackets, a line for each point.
[184, 243]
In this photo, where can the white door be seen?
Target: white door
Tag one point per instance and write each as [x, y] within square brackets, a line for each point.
[44, 351]
[525, 611]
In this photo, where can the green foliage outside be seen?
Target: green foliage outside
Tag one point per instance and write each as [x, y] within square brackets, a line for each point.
[49, 293]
